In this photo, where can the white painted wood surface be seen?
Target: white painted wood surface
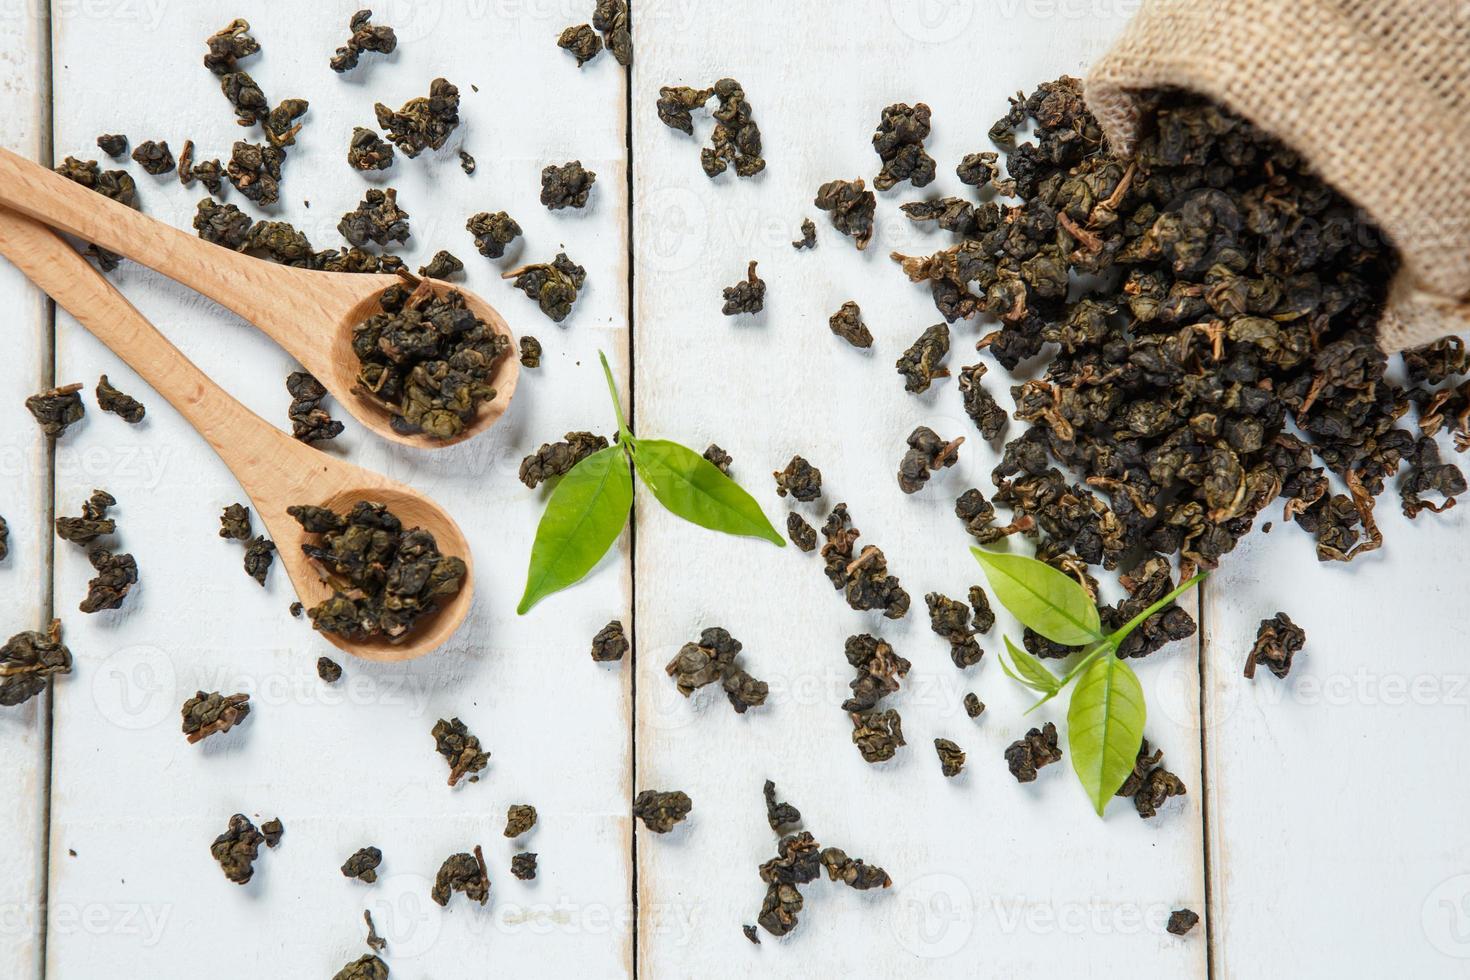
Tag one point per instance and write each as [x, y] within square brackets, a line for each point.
[988, 875]
[350, 764]
[25, 495]
[1333, 830]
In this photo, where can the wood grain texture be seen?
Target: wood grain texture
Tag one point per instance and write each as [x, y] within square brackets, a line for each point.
[25, 494]
[1336, 792]
[988, 875]
[350, 764]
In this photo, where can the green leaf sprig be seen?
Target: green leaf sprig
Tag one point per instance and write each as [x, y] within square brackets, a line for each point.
[590, 504]
[1106, 714]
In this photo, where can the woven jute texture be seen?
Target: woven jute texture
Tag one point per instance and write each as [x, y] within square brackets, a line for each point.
[1374, 93]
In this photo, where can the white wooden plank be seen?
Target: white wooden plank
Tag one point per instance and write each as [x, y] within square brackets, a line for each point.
[1335, 803]
[24, 498]
[988, 875]
[353, 764]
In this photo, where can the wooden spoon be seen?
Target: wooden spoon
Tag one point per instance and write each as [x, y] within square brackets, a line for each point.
[276, 470]
[311, 314]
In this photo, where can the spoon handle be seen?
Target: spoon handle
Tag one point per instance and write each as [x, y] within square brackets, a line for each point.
[237, 282]
[66, 277]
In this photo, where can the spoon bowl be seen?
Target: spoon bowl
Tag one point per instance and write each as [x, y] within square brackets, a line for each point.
[275, 470]
[309, 313]
[415, 511]
[339, 376]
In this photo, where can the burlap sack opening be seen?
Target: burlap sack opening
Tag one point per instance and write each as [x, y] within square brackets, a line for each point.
[1375, 93]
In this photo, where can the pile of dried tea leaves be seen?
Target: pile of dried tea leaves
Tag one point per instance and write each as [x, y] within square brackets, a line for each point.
[384, 577]
[1209, 306]
[427, 359]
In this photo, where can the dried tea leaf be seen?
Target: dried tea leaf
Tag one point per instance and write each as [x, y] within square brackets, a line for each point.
[368, 151]
[530, 351]
[877, 734]
[980, 404]
[802, 534]
[808, 237]
[1278, 641]
[863, 578]
[377, 218]
[229, 44]
[272, 830]
[260, 553]
[442, 266]
[927, 452]
[58, 409]
[879, 669]
[800, 479]
[556, 459]
[237, 848]
[255, 171]
[1181, 921]
[779, 815]
[365, 36]
[309, 421]
[853, 872]
[375, 942]
[659, 810]
[328, 670]
[27, 659]
[950, 619]
[523, 865]
[493, 232]
[126, 407]
[553, 285]
[736, 141]
[462, 873]
[899, 143]
[923, 362]
[850, 207]
[363, 864]
[1036, 749]
[566, 186]
[116, 576]
[974, 707]
[847, 323]
[581, 41]
[519, 819]
[154, 157]
[113, 144]
[467, 163]
[748, 296]
[209, 714]
[94, 522]
[460, 749]
[365, 967]
[611, 18]
[719, 458]
[610, 643]
[423, 123]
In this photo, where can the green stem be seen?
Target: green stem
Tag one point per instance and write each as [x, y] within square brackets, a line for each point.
[1119, 635]
[624, 435]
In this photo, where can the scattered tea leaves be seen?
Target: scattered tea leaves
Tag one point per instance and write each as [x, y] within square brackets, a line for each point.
[848, 324]
[328, 670]
[808, 237]
[260, 553]
[462, 873]
[748, 296]
[94, 522]
[364, 36]
[923, 362]
[530, 351]
[154, 157]
[610, 643]
[800, 479]
[368, 151]
[553, 285]
[423, 123]
[126, 407]
[237, 848]
[1181, 921]
[519, 819]
[523, 865]
[899, 143]
[802, 534]
[58, 409]
[951, 757]
[556, 459]
[493, 232]
[1278, 641]
[660, 810]
[363, 864]
[566, 186]
[927, 452]
[850, 207]
[582, 41]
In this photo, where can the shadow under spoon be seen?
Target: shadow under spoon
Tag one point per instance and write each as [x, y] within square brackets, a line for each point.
[308, 312]
[275, 470]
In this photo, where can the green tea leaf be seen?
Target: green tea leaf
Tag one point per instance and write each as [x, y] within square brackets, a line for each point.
[1105, 727]
[1041, 597]
[1029, 670]
[584, 516]
[694, 488]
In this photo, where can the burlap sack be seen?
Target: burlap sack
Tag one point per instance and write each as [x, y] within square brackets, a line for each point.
[1375, 93]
